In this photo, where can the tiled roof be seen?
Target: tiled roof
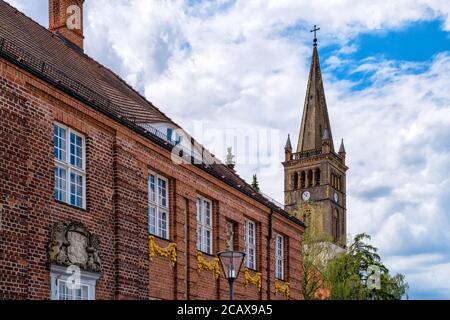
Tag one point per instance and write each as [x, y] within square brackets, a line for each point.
[33, 47]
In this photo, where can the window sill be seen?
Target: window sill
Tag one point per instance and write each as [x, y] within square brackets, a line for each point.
[207, 254]
[250, 269]
[70, 205]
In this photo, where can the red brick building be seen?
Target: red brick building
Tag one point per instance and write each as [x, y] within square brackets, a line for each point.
[87, 180]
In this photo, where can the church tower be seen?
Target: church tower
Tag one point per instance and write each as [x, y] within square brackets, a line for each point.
[314, 174]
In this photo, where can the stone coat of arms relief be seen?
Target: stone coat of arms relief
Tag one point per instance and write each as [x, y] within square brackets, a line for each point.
[73, 244]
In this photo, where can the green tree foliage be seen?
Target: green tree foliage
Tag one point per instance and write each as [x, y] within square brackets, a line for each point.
[314, 264]
[255, 183]
[352, 273]
[359, 274]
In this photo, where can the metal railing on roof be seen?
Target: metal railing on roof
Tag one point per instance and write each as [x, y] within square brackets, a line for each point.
[57, 76]
[275, 202]
[152, 130]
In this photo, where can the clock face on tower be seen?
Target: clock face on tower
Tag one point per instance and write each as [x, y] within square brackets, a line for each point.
[306, 195]
[336, 197]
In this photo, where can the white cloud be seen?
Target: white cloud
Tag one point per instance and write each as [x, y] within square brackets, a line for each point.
[16, 3]
[427, 272]
[399, 157]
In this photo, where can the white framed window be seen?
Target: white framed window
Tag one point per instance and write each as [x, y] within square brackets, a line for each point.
[279, 257]
[70, 283]
[250, 244]
[158, 205]
[204, 225]
[70, 166]
[66, 291]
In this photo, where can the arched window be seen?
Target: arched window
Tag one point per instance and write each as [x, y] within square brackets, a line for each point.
[303, 178]
[317, 177]
[310, 178]
[295, 180]
[335, 226]
[334, 181]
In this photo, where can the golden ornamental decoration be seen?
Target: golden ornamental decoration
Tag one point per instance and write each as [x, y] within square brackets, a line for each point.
[213, 266]
[283, 289]
[170, 251]
[254, 280]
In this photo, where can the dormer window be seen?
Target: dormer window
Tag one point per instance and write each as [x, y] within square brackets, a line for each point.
[169, 133]
[178, 138]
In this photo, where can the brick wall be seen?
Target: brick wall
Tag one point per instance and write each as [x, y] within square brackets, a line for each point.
[117, 167]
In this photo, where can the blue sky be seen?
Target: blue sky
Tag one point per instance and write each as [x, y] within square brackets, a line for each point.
[418, 41]
[243, 65]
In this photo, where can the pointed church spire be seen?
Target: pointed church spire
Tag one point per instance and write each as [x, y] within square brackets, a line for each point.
[315, 118]
[342, 148]
[342, 152]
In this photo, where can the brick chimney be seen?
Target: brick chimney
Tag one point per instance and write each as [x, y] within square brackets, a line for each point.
[66, 20]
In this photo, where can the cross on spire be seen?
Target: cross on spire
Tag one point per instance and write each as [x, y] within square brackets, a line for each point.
[315, 34]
